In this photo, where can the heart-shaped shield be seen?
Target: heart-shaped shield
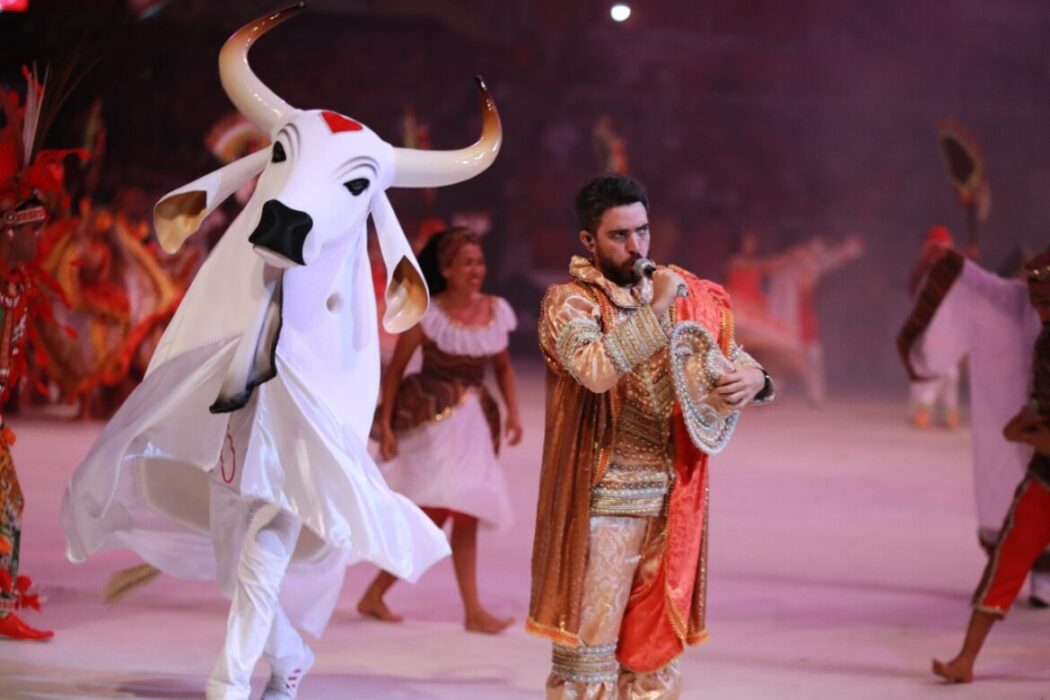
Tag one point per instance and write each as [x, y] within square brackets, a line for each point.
[697, 363]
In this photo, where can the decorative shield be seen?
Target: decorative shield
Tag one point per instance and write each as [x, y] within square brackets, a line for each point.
[697, 363]
[962, 157]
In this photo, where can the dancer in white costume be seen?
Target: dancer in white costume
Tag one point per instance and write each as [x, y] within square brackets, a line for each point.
[963, 310]
[242, 454]
[942, 391]
[441, 427]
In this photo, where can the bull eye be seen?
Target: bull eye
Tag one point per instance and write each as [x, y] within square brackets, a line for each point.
[278, 153]
[357, 186]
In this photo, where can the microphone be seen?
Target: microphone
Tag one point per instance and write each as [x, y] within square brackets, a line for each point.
[644, 267]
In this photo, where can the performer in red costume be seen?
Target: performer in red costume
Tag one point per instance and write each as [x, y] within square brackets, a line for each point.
[27, 177]
[1026, 530]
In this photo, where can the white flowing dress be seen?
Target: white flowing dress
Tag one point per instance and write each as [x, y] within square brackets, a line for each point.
[447, 457]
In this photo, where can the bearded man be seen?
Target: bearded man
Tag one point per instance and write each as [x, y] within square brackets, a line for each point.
[619, 559]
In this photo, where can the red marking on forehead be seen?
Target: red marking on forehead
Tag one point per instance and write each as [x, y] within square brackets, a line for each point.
[338, 123]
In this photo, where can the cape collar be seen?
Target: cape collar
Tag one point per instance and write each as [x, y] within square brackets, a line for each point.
[632, 297]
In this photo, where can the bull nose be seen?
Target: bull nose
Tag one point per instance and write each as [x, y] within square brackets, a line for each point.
[282, 230]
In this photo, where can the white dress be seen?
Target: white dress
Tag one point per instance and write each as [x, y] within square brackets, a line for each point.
[447, 423]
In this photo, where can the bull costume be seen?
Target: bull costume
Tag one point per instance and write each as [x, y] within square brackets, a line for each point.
[242, 455]
[619, 559]
[963, 310]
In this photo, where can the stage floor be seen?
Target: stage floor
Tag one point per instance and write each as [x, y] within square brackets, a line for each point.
[843, 556]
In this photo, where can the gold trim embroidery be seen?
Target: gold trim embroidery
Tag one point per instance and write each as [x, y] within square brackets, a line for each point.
[635, 340]
[585, 664]
[554, 634]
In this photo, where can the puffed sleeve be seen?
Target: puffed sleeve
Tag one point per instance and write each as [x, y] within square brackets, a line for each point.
[572, 340]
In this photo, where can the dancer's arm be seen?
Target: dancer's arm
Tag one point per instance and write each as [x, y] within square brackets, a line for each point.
[407, 343]
[509, 389]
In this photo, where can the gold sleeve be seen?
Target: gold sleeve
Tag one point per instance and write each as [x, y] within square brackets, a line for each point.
[571, 333]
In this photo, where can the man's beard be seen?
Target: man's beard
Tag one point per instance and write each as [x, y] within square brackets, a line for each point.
[616, 275]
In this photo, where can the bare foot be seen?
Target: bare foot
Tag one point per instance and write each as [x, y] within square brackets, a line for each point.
[377, 610]
[958, 670]
[484, 623]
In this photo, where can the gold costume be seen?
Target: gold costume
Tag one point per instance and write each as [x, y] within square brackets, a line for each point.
[613, 450]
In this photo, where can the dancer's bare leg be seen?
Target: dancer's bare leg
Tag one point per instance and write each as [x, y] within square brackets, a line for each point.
[465, 559]
[960, 669]
[372, 603]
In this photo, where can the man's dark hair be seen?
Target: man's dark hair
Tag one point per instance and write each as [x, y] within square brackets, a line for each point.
[604, 192]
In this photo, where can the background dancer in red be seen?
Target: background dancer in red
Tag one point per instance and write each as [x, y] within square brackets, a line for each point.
[1026, 530]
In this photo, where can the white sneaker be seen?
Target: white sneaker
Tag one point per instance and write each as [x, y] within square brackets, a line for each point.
[284, 682]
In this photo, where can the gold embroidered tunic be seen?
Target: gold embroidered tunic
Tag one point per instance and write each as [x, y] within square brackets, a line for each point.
[614, 443]
[637, 477]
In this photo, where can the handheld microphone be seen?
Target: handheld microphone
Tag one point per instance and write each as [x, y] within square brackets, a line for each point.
[644, 267]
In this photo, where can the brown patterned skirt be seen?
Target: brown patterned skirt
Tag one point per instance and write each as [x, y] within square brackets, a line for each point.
[440, 388]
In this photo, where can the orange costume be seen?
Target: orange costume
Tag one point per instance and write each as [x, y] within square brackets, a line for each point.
[619, 560]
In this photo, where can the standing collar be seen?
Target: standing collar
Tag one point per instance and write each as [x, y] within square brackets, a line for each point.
[632, 297]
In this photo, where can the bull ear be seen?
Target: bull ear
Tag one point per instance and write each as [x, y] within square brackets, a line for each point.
[407, 296]
[179, 213]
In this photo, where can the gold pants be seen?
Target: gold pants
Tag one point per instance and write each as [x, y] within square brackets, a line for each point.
[623, 553]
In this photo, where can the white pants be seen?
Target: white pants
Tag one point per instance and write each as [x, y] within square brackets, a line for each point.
[256, 624]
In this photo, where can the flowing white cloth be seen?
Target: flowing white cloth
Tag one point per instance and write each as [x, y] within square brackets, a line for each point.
[145, 485]
[450, 463]
[991, 319]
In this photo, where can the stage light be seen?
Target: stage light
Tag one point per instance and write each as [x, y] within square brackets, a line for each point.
[620, 11]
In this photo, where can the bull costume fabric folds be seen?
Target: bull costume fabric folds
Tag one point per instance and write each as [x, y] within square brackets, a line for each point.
[242, 455]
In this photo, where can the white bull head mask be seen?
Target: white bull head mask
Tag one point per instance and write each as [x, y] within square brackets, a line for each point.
[323, 176]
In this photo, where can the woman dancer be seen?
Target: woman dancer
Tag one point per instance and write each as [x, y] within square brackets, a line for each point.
[441, 427]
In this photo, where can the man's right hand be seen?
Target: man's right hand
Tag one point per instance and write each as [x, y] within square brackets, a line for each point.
[665, 289]
[1022, 424]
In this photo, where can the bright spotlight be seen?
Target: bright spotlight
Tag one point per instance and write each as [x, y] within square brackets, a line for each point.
[620, 11]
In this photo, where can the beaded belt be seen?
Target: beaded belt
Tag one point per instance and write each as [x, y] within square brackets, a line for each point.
[631, 491]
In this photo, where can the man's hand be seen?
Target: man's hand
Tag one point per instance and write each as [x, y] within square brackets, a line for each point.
[1038, 438]
[739, 387]
[1022, 424]
[665, 288]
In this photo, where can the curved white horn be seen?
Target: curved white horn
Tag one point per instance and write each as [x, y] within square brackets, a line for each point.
[416, 168]
[247, 93]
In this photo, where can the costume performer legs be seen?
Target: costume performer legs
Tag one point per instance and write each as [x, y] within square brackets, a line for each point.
[1024, 535]
[623, 557]
[256, 622]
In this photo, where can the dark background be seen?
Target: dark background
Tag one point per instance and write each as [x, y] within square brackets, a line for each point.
[792, 118]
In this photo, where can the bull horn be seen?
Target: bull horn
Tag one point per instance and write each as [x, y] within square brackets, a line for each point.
[416, 168]
[248, 94]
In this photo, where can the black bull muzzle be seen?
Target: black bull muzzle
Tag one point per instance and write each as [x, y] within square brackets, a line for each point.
[282, 230]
